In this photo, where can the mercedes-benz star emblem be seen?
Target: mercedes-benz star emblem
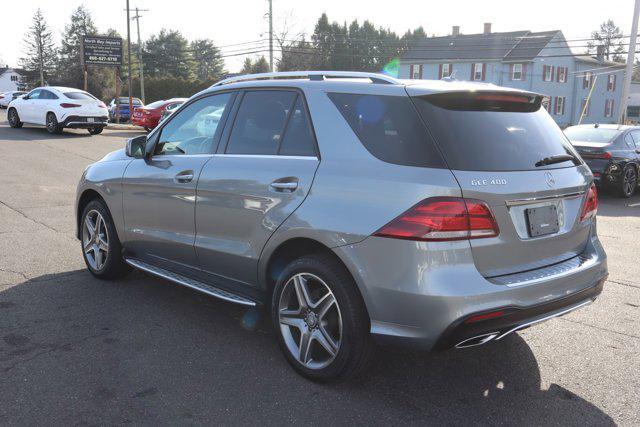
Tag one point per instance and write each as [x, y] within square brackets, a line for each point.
[550, 180]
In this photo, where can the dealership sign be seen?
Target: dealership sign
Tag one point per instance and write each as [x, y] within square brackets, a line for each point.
[102, 50]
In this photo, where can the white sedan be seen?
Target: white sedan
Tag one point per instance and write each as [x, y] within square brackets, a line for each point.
[58, 108]
[7, 97]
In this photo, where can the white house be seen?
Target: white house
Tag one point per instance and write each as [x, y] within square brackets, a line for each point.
[10, 79]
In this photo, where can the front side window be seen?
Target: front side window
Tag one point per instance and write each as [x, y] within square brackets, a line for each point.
[636, 138]
[260, 122]
[45, 94]
[194, 129]
[389, 128]
[35, 94]
[517, 72]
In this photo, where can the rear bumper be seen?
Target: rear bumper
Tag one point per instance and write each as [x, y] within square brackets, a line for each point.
[145, 121]
[80, 122]
[420, 294]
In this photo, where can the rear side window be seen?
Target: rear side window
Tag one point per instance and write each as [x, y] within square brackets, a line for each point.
[260, 122]
[389, 128]
[298, 138]
[493, 132]
[78, 95]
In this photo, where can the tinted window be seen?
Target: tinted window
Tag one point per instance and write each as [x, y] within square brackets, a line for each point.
[45, 94]
[35, 94]
[260, 121]
[389, 127]
[193, 130]
[496, 133]
[590, 134]
[298, 138]
[125, 101]
[628, 140]
[79, 95]
[636, 137]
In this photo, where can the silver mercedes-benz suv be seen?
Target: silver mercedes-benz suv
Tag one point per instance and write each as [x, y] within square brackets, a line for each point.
[356, 208]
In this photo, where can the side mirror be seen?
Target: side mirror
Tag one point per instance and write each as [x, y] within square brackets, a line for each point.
[136, 147]
[25, 97]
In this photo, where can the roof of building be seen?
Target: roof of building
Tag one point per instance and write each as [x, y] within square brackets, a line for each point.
[594, 60]
[514, 45]
[15, 70]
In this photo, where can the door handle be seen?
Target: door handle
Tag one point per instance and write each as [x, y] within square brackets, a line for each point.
[285, 184]
[184, 177]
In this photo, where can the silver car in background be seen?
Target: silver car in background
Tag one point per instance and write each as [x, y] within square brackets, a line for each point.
[358, 209]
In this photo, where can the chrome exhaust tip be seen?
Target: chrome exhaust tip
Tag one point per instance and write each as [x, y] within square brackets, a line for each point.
[477, 340]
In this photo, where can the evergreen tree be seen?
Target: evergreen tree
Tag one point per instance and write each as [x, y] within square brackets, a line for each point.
[166, 54]
[260, 65]
[40, 54]
[69, 69]
[207, 62]
[610, 37]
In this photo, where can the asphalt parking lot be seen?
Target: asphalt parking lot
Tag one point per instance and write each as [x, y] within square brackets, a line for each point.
[76, 350]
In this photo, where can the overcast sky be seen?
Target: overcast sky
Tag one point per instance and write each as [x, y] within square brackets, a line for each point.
[236, 21]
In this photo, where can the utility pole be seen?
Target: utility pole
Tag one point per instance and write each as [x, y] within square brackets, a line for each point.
[631, 56]
[129, 61]
[271, 35]
[140, 64]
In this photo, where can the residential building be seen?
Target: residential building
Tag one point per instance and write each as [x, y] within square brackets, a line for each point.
[540, 62]
[11, 79]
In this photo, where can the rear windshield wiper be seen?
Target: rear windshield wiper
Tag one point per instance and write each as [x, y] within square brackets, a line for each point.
[558, 158]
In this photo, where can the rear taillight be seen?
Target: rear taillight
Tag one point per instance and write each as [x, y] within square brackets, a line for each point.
[604, 155]
[443, 218]
[67, 105]
[590, 207]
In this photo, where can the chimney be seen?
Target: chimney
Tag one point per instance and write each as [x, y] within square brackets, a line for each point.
[600, 53]
[487, 27]
[455, 31]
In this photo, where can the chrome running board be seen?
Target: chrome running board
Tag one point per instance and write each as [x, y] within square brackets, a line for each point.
[190, 283]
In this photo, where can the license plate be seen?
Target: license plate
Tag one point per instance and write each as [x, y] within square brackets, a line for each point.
[90, 119]
[542, 221]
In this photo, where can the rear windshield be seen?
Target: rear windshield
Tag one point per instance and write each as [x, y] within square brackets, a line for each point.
[125, 101]
[78, 95]
[389, 127]
[493, 131]
[155, 104]
[591, 134]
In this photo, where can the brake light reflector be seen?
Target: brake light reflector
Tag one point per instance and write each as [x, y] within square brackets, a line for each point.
[68, 105]
[441, 219]
[486, 316]
[590, 207]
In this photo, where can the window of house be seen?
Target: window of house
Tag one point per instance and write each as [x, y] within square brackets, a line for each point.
[445, 70]
[562, 74]
[611, 82]
[415, 71]
[608, 108]
[14, 78]
[547, 73]
[516, 72]
[559, 105]
[478, 69]
[584, 108]
[587, 80]
[260, 122]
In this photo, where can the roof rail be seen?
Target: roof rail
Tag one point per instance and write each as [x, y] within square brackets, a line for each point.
[311, 75]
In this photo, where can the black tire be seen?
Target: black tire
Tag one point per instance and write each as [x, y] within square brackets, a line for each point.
[53, 127]
[628, 182]
[14, 119]
[95, 131]
[114, 265]
[356, 346]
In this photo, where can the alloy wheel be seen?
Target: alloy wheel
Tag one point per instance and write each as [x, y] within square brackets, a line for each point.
[13, 117]
[630, 181]
[51, 123]
[95, 240]
[310, 320]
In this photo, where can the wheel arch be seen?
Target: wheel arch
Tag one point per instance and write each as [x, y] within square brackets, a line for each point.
[291, 249]
[87, 196]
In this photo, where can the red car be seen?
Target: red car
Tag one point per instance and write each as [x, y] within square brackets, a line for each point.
[149, 116]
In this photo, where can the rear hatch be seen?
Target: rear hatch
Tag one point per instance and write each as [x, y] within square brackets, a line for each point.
[505, 150]
[87, 104]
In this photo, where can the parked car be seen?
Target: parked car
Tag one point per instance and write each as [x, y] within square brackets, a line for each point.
[7, 97]
[58, 108]
[612, 152]
[170, 109]
[356, 211]
[122, 106]
[149, 116]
